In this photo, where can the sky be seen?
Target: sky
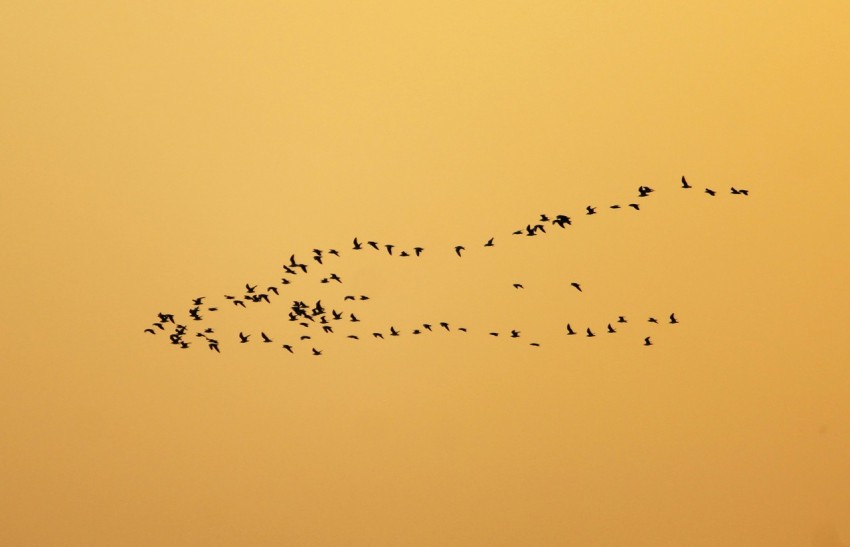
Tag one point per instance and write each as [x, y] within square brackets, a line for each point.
[152, 153]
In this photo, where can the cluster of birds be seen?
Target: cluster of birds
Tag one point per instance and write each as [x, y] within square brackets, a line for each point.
[317, 317]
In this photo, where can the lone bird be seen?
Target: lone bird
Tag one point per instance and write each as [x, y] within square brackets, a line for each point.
[243, 338]
[653, 320]
[535, 344]
[590, 333]
[393, 332]
[644, 191]
[570, 330]
[353, 337]
[577, 286]
[514, 334]
[518, 286]
[710, 192]
[611, 329]
[378, 335]
[742, 191]
[673, 319]
[418, 250]
[646, 341]
[685, 183]
[494, 334]
[266, 339]
[634, 206]
[316, 352]
[459, 248]
[288, 348]
[445, 325]
[389, 248]
[591, 210]
[373, 244]
[489, 242]
[357, 245]
[621, 319]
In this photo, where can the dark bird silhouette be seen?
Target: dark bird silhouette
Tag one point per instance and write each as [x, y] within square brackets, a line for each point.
[590, 333]
[514, 334]
[615, 207]
[364, 297]
[577, 286]
[644, 191]
[243, 338]
[328, 329]
[373, 244]
[560, 220]
[673, 319]
[591, 210]
[621, 319]
[357, 245]
[288, 348]
[318, 258]
[198, 301]
[517, 233]
[634, 206]
[239, 303]
[337, 315]
[403, 253]
[333, 252]
[458, 249]
[150, 331]
[316, 352]
[266, 338]
[335, 278]
[427, 326]
[349, 297]
[289, 270]
[389, 248]
[354, 318]
[710, 192]
[325, 280]
[489, 242]
[611, 329]
[378, 335]
[274, 290]
[250, 288]
[305, 337]
[159, 326]
[212, 309]
[214, 346]
[570, 330]
[685, 183]
[462, 329]
[393, 332]
[652, 320]
[494, 334]
[535, 344]
[518, 286]
[418, 250]
[417, 331]
[742, 191]
[646, 341]
[445, 325]
[165, 317]
[543, 217]
[184, 344]
[353, 337]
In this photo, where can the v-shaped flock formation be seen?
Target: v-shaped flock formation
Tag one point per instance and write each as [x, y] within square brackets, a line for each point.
[319, 321]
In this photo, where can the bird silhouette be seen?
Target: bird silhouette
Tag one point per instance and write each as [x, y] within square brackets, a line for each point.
[591, 210]
[378, 335]
[621, 319]
[305, 337]
[489, 242]
[274, 290]
[459, 248]
[445, 325]
[570, 330]
[213, 345]
[335, 277]
[150, 331]
[494, 334]
[673, 319]
[250, 288]
[709, 191]
[364, 297]
[590, 333]
[288, 348]
[403, 253]
[349, 297]
[515, 334]
[742, 191]
[333, 252]
[353, 337]
[543, 217]
[634, 206]
[354, 318]
[328, 329]
[611, 329]
[535, 344]
[427, 326]
[646, 341]
[373, 244]
[243, 338]
[577, 286]
[652, 320]
[389, 248]
[615, 207]
[316, 352]
[644, 191]
[418, 250]
[266, 338]
[462, 329]
[518, 286]
[239, 303]
[357, 245]
[318, 258]
[393, 332]
[685, 183]
[198, 301]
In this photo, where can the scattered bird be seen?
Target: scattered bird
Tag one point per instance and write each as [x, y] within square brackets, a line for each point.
[445, 325]
[243, 338]
[514, 334]
[518, 286]
[418, 250]
[316, 352]
[685, 183]
[646, 341]
[621, 319]
[673, 319]
[288, 348]
[653, 320]
[743, 192]
[353, 337]
[535, 344]
[393, 332]
[390, 249]
[357, 245]
[710, 192]
[378, 335]
[459, 248]
[611, 329]
[373, 244]
[577, 286]
[494, 334]
[644, 191]
[489, 242]
[266, 339]
[150, 331]
[570, 330]
[591, 210]
[590, 333]
[634, 206]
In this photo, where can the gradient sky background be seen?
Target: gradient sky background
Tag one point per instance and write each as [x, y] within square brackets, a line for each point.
[152, 152]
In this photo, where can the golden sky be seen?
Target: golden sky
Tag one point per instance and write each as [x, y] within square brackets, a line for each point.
[154, 152]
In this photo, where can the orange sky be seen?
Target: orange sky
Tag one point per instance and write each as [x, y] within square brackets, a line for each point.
[155, 153]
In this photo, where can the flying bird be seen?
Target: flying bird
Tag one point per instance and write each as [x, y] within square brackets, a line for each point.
[266, 338]
[378, 335]
[570, 330]
[685, 183]
[652, 320]
[710, 192]
[634, 206]
[611, 329]
[243, 338]
[373, 244]
[458, 249]
[316, 352]
[577, 286]
[673, 319]
[150, 331]
[393, 332]
[489, 242]
[518, 286]
[357, 245]
[646, 341]
[389, 248]
[621, 319]
[590, 333]
[445, 325]
[418, 250]
[535, 344]
[514, 334]
[591, 210]
[288, 348]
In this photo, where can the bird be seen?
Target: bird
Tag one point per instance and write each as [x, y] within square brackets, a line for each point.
[644, 191]
[489, 242]
[494, 334]
[646, 341]
[288, 348]
[417, 331]
[389, 248]
[577, 286]
[515, 334]
[243, 338]
[349, 297]
[418, 250]
[274, 290]
[150, 331]
[159, 326]
[590, 333]
[652, 320]
[305, 337]
[318, 258]
[328, 329]
[615, 207]
[266, 338]
[333, 252]
[198, 301]
[357, 245]
[250, 288]
[570, 330]
[353, 337]
[685, 183]
[518, 286]
[458, 249]
[621, 319]
[535, 344]
[445, 325]
[378, 335]
[337, 315]
[364, 297]
[335, 277]
[742, 192]
[213, 345]
[373, 244]
[517, 233]
[611, 329]
[289, 270]
[316, 352]
[543, 217]
[354, 318]
[709, 191]
[427, 326]
[591, 210]
[673, 319]
[393, 332]
[404, 253]
[462, 329]
[634, 206]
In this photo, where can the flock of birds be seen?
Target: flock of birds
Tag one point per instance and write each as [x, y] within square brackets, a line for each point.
[319, 321]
